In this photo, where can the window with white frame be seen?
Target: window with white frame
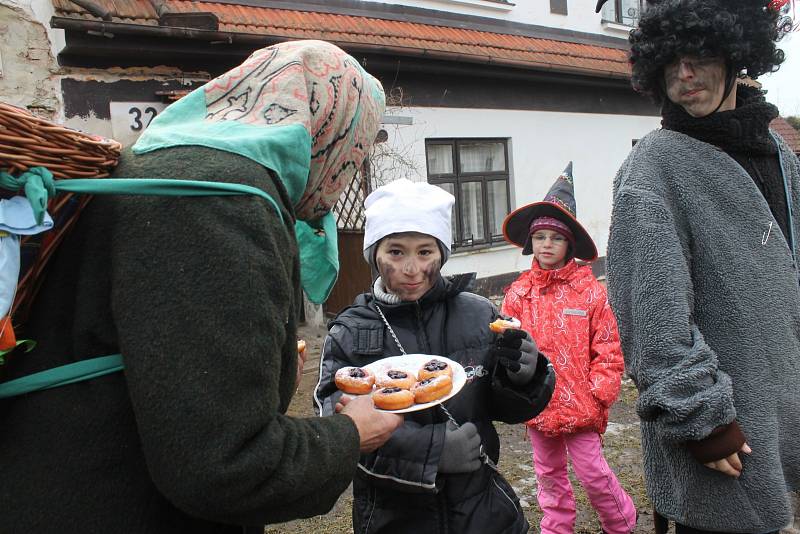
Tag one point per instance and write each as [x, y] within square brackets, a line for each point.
[625, 12]
[475, 171]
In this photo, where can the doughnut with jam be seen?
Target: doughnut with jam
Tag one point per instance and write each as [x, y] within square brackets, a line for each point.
[501, 325]
[354, 380]
[431, 389]
[394, 378]
[435, 368]
[392, 398]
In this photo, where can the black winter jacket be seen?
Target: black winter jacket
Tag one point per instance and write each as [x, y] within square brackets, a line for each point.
[397, 488]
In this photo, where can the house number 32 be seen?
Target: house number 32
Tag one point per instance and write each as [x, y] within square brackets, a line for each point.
[139, 119]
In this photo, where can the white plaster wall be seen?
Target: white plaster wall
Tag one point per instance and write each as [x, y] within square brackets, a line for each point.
[541, 145]
[581, 16]
[41, 11]
[28, 65]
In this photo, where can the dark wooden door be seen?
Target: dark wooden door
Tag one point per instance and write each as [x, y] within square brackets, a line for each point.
[354, 275]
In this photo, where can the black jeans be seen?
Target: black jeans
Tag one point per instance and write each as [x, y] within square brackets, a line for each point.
[662, 526]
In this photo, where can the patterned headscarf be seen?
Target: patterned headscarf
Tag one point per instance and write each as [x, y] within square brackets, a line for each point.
[304, 109]
[309, 94]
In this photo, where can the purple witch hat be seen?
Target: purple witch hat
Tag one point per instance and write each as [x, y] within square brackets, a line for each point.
[559, 203]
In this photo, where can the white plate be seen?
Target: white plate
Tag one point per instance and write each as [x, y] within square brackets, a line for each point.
[412, 363]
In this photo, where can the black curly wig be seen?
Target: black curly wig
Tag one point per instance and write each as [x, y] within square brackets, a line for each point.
[743, 32]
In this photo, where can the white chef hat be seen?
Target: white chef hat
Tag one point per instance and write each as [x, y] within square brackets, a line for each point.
[406, 206]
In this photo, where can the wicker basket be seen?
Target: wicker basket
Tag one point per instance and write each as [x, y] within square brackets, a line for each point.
[28, 141]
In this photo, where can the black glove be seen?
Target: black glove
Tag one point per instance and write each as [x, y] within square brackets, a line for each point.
[517, 352]
[462, 449]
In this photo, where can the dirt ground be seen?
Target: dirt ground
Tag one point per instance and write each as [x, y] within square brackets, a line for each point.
[621, 445]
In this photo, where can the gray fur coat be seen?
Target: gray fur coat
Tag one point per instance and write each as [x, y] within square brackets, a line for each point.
[705, 288]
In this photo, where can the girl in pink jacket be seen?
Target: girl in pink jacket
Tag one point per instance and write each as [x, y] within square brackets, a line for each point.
[565, 309]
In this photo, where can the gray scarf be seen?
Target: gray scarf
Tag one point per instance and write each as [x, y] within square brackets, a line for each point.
[382, 294]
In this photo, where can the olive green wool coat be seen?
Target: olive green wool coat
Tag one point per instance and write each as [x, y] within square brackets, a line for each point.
[200, 295]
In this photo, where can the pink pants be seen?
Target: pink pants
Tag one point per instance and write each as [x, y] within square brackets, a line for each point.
[615, 507]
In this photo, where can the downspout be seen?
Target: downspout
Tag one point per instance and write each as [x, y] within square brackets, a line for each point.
[159, 7]
[94, 9]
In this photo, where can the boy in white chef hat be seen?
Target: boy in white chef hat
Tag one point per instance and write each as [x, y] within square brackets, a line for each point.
[432, 459]
[417, 216]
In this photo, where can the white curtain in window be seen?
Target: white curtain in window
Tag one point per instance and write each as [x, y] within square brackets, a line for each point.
[450, 188]
[631, 11]
[472, 211]
[609, 11]
[440, 159]
[482, 157]
[498, 205]
[629, 14]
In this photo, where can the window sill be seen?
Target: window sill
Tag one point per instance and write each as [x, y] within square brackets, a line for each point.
[483, 248]
[616, 27]
[487, 4]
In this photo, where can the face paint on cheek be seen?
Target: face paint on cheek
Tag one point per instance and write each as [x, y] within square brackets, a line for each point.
[386, 270]
[432, 270]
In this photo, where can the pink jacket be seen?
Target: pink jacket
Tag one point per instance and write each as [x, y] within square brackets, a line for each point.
[567, 313]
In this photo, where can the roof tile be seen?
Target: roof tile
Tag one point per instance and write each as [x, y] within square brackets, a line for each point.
[349, 29]
[789, 134]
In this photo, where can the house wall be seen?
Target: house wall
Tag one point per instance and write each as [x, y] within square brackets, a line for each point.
[541, 143]
[28, 69]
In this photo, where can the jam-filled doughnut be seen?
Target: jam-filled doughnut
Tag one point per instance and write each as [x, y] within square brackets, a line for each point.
[354, 380]
[501, 325]
[431, 389]
[392, 398]
[395, 378]
[435, 368]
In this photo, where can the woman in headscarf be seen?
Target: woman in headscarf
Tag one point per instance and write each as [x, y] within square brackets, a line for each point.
[201, 297]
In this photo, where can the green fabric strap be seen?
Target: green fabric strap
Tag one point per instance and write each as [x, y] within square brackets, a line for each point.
[160, 187]
[40, 185]
[63, 375]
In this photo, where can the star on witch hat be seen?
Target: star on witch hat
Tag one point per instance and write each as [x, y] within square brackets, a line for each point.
[559, 203]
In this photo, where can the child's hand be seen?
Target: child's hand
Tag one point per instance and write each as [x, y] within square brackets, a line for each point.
[517, 352]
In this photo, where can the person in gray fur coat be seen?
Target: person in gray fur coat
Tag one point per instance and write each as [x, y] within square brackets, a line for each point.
[703, 273]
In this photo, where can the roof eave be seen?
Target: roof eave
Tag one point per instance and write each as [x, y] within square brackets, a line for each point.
[259, 40]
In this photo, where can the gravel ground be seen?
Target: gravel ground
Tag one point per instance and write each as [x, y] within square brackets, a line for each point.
[621, 445]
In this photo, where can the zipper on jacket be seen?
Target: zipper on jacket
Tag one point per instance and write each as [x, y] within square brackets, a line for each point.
[422, 338]
[372, 499]
[789, 222]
